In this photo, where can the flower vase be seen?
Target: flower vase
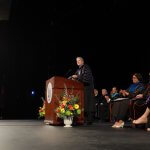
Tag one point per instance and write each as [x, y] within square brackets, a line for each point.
[68, 121]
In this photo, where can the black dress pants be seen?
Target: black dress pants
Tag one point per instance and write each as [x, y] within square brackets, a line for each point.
[88, 103]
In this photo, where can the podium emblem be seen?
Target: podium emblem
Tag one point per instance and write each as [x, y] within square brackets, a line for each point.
[49, 92]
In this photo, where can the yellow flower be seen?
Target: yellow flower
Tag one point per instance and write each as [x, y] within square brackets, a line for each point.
[76, 106]
[64, 102]
[62, 110]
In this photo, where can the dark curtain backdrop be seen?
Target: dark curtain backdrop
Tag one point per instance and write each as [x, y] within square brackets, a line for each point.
[42, 39]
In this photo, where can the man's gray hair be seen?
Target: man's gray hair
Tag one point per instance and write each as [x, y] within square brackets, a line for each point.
[80, 58]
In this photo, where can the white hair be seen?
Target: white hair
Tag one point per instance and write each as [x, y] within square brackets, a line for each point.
[81, 58]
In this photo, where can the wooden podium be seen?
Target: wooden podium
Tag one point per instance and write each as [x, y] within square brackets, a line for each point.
[54, 88]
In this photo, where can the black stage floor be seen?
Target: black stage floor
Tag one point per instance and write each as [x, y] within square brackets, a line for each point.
[34, 135]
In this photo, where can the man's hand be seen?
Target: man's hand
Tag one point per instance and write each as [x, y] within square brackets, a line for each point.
[74, 76]
[124, 92]
[107, 99]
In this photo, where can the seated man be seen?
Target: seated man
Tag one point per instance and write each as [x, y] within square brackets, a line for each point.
[114, 94]
[96, 113]
[104, 106]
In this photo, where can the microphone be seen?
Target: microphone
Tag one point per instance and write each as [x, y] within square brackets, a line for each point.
[68, 72]
[42, 99]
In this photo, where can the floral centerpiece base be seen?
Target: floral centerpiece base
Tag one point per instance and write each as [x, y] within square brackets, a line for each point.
[68, 121]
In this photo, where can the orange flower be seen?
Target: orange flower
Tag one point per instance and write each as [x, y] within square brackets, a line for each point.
[70, 107]
[58, 110]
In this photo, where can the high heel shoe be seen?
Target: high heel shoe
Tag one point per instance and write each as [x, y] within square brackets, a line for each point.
[120, 126]
[148, 129]
[139, 122]
[141, 125]
[113, 126]
[133, 121]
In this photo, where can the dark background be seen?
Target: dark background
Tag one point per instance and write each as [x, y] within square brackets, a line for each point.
[42, 39]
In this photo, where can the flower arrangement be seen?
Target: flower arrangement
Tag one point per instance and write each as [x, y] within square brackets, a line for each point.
[68, 106]
[42, 110]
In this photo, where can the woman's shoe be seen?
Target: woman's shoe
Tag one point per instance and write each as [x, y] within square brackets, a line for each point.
[120, 126]
[138, 125]
[148, 129]
[139, 121]
[133, 121]
[115, 124]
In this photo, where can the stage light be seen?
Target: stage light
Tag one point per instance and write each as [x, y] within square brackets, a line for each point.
[32, 93]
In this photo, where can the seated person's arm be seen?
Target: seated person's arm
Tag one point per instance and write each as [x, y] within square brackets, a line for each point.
[107, 99]
[138, 91]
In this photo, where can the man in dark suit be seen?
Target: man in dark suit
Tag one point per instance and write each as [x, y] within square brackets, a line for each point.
[84, 75]
[104, 105]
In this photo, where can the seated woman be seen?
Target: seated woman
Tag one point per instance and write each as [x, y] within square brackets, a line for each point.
[139, 106]
[144, 118]
[120, 108]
